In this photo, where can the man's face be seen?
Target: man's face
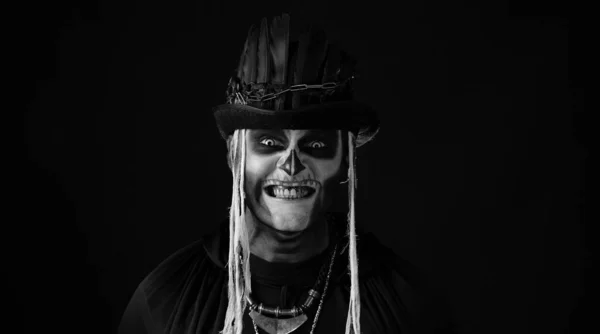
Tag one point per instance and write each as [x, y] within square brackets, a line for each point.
[290, 175]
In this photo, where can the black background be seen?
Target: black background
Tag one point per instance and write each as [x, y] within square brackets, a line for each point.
[477, 175]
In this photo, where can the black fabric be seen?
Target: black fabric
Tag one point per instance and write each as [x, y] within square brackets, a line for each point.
[187, 293]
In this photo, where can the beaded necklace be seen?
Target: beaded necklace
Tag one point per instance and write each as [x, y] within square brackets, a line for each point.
[288, 320]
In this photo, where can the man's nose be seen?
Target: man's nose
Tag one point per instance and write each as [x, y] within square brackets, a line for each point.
[292, 164]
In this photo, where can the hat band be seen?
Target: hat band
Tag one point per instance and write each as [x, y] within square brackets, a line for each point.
[237, 93]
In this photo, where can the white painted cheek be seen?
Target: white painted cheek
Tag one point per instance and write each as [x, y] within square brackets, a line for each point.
[259, 168]
[253, 167]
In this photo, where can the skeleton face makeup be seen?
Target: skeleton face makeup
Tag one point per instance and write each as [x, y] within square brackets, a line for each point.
[290, 175]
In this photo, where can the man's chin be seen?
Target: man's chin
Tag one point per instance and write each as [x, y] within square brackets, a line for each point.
[288, 216]
[290, 222]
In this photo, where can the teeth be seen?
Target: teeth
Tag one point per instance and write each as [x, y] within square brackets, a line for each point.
[309, 183]
[289, 192]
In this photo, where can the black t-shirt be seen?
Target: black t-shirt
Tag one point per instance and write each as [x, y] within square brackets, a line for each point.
[187, 293]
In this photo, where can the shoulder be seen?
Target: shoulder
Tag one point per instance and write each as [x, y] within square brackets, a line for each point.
[198, 259]
[175, 267]
[386, 275]
[390, 281]
[374, 258]
[377, 258]
[392, 289]
[177, 289]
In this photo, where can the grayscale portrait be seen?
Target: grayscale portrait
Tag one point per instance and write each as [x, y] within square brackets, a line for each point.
[283, 262]
[300, 167]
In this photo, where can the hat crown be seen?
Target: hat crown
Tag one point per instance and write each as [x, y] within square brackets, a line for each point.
[275, 73]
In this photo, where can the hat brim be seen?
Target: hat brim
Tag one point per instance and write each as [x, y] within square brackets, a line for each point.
[353, 116]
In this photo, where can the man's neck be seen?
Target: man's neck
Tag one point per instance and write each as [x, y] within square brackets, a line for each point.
[272, 245]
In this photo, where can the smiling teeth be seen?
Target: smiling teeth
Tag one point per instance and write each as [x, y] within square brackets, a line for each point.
[310, 183]
[289, 192]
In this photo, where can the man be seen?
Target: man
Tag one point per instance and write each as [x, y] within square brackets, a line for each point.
[283, 263]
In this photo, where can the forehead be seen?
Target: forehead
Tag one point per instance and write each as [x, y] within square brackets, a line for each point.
[296, 133]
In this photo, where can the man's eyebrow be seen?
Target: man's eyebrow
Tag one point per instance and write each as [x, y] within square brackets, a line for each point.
[326, 134]
[274, 132]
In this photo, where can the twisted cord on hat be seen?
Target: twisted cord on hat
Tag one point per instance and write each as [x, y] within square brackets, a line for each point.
[240, 93]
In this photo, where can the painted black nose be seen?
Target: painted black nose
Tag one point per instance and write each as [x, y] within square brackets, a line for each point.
[292, 164]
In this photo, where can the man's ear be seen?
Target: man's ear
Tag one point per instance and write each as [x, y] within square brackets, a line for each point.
[345, 164]
[346, 151]
[228, 149]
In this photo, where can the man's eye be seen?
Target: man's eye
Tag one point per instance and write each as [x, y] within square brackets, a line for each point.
[316, 144]
[268, 142]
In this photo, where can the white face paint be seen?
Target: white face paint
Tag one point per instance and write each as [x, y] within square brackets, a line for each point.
[290, 175]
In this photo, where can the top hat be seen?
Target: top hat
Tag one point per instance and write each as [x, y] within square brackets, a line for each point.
[299, 84]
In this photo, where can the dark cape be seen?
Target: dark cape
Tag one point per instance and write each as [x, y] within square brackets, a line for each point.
[187, 293]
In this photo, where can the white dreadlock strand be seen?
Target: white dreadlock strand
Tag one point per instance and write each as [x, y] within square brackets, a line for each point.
[353, 320]
[232, 261]
[245, 239]
[239, 283]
